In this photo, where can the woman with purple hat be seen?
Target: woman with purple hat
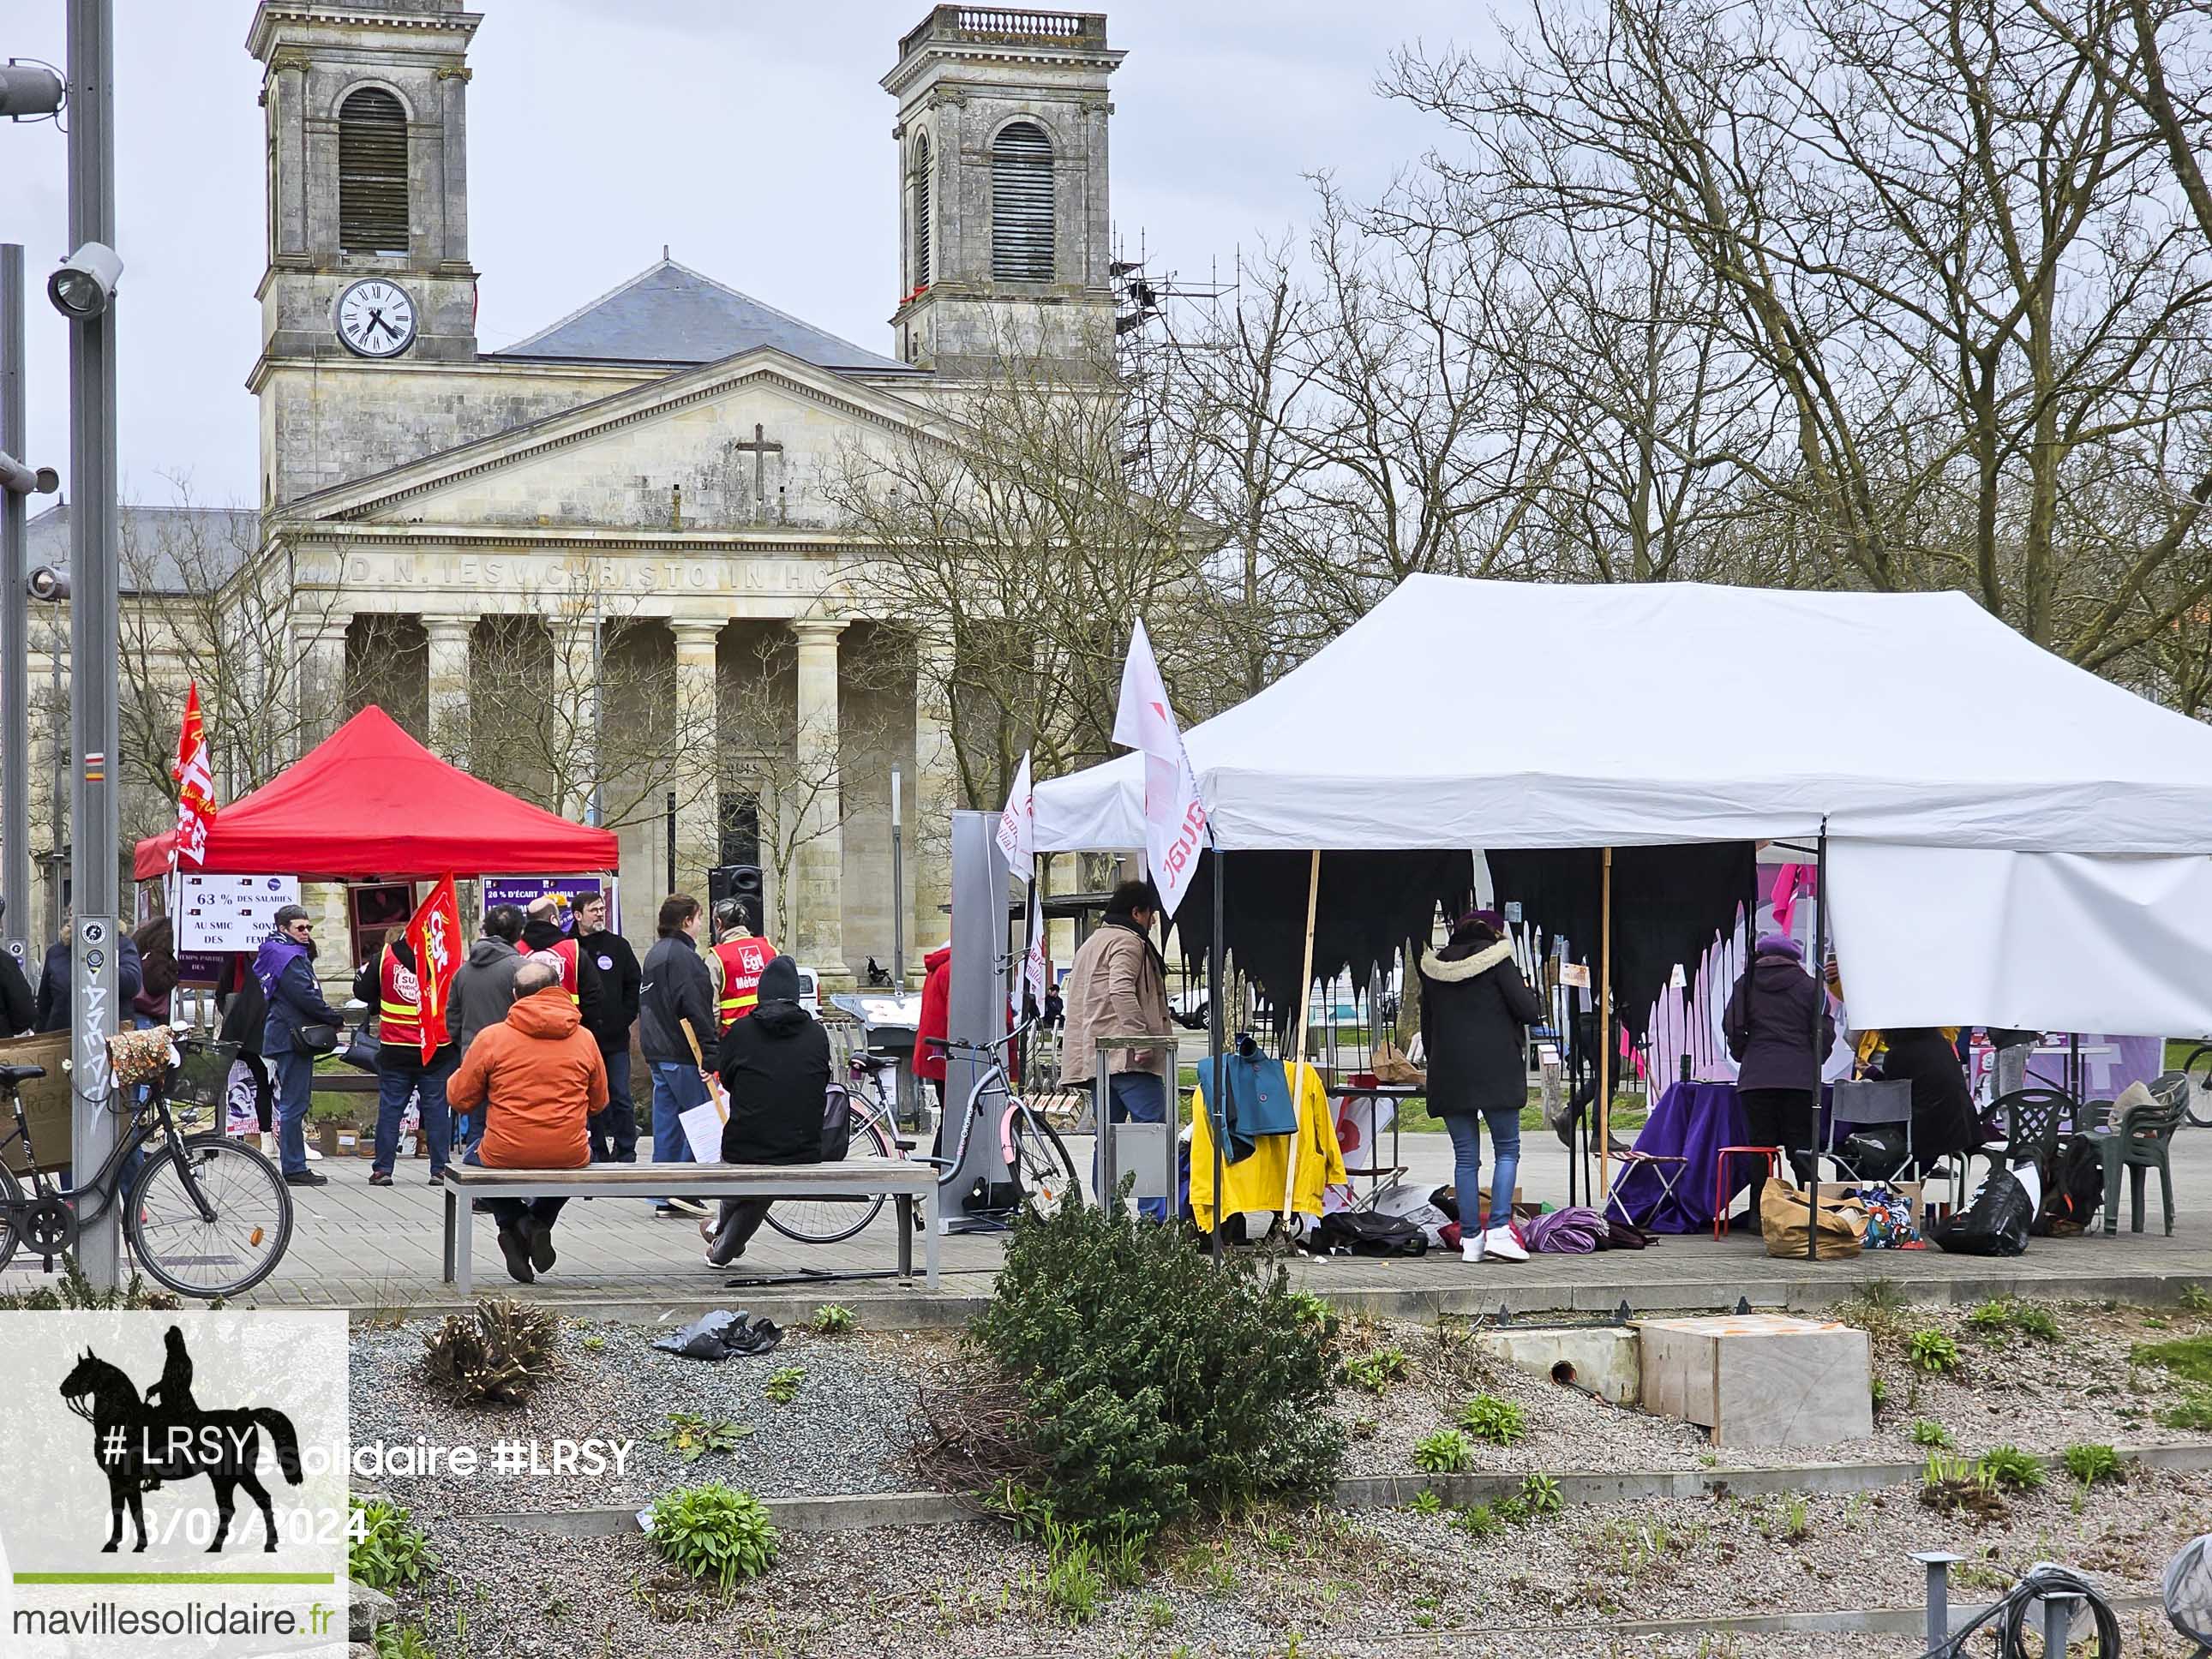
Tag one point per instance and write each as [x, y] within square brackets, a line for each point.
[1475, 1012]
[1779, 1029]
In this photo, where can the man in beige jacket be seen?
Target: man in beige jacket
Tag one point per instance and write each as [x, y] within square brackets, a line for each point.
[1117, 987]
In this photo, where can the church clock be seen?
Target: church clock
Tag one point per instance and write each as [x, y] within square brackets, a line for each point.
[376, 317]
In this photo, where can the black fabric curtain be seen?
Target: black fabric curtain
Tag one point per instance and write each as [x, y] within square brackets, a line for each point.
[1372, 905]
[1669, 904]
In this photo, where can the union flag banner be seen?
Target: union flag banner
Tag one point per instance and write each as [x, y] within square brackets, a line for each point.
[195, 777]
[435, 935]
[1175, 818]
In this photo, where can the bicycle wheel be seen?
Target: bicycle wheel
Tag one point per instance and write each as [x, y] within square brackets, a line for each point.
[833, 1220]
[193, 1256]
[1043, 1172]
[11, 1194]
[2199, 1065]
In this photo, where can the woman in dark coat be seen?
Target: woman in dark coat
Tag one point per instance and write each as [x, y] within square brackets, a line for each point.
[157, 971]
[776, 1065]
[1943, 1121]
[1475, 1012]
[1779, 1027]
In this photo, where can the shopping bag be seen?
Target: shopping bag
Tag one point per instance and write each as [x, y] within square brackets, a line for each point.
[1783, 1211]
[1391, 1067]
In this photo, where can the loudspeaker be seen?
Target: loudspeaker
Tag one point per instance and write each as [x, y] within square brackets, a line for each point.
[742, 882]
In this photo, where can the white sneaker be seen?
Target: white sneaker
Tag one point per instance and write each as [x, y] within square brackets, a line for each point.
[1470, 1247]
[1500, 1242]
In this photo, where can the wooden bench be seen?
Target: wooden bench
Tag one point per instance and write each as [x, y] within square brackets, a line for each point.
[902, 1180]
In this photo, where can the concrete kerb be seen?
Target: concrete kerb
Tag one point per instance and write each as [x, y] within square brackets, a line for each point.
[846, 1512]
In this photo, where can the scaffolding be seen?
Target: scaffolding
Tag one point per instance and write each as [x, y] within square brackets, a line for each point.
[1161, 320]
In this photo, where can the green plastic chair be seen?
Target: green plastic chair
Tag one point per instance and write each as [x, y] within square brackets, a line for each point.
[2139, 1143]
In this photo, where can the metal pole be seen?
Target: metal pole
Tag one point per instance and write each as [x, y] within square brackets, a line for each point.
[671, 841]
[1216, 993]
[1820, 1004]
[1604, 1038]
[2057, 1621]
[1939, 1565]
[898, 890]
[94, 828]
[15, 627]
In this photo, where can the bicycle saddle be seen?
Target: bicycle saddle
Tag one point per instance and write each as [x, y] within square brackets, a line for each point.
[11, 1075]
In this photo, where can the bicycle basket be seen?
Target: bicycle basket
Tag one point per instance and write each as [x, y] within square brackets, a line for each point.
[203, 1075]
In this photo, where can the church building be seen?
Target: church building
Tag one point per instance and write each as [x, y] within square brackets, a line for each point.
[630, 501]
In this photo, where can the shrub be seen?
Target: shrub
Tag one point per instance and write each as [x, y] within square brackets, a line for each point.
[831, 1320]
[494, 1357]
[1540, 1494]
[691, 1435]
[2011, 1468]
[1501, 1422]
[714, 1531]
[1378, 1370]
[384, 1548]
[2091, 1463]
[1149, 1382]
[1927, 1432]
[782, 1385]
[1445, 1452]
[1932, 1352]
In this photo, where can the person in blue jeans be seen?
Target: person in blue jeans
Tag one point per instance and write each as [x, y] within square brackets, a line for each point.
[674, 1031]
[284, 969]
[1476, 1013]
[1117, 987]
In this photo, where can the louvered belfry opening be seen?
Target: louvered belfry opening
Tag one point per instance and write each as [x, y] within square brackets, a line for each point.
[372, 174]
[922, 162]
[1021, 204]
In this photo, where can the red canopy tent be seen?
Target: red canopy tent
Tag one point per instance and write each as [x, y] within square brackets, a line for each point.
[372, 801]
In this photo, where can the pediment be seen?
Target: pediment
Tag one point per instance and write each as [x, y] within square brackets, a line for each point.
[730, 444]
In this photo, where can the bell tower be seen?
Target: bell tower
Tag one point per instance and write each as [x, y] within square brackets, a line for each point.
[1003, 223]
[367, 159]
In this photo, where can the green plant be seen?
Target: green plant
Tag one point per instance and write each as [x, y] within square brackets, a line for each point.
[592, 1344]
[1074, 1576]
[2189, 1357]
[1378, 1370]
[2005, 1313]
[1928, 1432]
[2089, 1464]
[1510, 1511]
[1954, 1486]
[690, 1436]
[1363, 1428]
[1878, 1391]
[2011, 1468]
[2193, 1411]
[716, 1532]
[1501, 1422]
[73, 1292]
[1540, 1494]
[1797, 1519]
[782, 1385]
[1477, 1520]
[1445, 1452]
[1143, 1382]
[2196, 1299]
[384, 1548]
[1426, 1502]
[494, 1357]
[1315, 1311]
[402, 1642]
[1931, 1352]
[2037, 1322]
[831, 1320]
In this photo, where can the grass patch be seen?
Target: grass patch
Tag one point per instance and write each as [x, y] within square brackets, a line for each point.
[2188, 1357]
[1994, 1319]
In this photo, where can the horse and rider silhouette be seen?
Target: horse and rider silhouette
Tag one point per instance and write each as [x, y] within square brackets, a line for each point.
[139, 1444]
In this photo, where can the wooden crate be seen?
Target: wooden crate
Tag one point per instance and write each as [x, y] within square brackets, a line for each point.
[1760, 1379]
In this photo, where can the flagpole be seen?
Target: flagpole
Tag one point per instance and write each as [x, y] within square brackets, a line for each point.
[1214, 954]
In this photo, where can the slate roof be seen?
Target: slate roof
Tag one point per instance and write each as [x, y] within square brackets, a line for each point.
[163, 550]
[670, 314]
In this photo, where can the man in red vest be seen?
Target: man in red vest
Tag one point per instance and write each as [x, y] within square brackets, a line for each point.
[736, 963]
[548, 932]
[388, 983]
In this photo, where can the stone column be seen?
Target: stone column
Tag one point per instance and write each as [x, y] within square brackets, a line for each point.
[698, 830]
[289, 188]
[448, 689]
[319, 653]
[453, 161]
[929, 816]
[813, 912]
[577, 669]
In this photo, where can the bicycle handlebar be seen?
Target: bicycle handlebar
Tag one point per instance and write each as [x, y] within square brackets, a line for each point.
[949, 1046]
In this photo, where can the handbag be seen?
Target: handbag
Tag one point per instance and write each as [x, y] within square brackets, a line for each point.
[836, 1124]
[139, 1056]
[364, 1047]
[320, 1038]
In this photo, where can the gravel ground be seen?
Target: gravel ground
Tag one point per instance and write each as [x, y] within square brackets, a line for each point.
[1315, 1582]
[2040, 1395]
[844, 1432]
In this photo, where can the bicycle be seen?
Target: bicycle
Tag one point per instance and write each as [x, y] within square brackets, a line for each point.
[198, 1200]
[2198, 1066]
[1045, 1175]
[875, 1134]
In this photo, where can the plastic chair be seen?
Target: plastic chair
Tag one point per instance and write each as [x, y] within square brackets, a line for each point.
[1860, 1105]
[2033, 1119]
[1771, 1154]
[2139, 1143]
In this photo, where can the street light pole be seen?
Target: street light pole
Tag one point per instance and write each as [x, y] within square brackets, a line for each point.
[15, 628]
[95, 828]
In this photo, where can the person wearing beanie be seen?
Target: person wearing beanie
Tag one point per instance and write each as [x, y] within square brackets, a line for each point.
[775, 1064]
[1779, 1029]
[1476, 1013]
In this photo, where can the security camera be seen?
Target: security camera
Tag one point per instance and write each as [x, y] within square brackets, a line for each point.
[17, 479]
[86, 282]
[48, 583]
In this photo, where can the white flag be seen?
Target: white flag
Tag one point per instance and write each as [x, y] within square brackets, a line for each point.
[1175, 820]
[1031, 977]
[1018, 825]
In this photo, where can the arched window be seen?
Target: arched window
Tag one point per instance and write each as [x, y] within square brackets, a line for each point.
[372, 174]
[921, 227]
[1021, 204]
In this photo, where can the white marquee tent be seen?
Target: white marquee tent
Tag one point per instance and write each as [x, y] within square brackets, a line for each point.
[2011, 840]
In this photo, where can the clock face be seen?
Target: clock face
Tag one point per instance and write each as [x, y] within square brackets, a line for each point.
[376, 317]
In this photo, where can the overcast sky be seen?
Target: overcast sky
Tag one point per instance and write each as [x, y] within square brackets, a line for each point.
[751, 139]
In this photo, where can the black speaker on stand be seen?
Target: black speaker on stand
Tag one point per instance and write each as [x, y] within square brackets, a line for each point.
[741, 882]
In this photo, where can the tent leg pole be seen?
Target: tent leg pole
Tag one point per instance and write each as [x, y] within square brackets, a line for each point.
[1298, 1038]
[1604, 1033]
[1216, 994]
[1820, 973]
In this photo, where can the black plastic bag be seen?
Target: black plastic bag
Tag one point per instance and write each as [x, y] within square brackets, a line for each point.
[1876, 1153]
[719, 1334]
[1365, 1232]
[1997, 1224]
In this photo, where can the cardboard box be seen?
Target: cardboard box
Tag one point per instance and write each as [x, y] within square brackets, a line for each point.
[45, 1101]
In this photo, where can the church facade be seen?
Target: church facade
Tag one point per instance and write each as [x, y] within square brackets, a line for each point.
[633, 499]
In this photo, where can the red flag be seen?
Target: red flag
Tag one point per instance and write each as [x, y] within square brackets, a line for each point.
[435, 935]
[195, 777]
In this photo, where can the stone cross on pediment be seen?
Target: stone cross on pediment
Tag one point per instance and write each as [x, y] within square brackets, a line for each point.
[759, 448]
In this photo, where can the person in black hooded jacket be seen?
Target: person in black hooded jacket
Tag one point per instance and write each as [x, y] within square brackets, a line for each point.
[541, 936]
[776, 1065]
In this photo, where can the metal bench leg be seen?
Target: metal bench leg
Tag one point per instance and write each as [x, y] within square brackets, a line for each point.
[449, 1235]
[904, 1213]
[931, 1229]
[464, 1227]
